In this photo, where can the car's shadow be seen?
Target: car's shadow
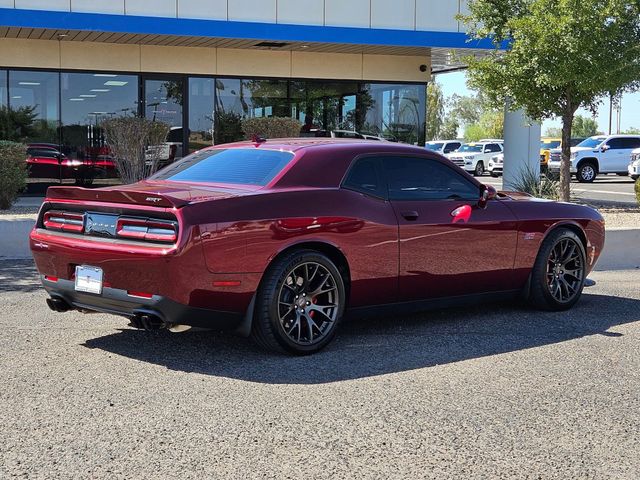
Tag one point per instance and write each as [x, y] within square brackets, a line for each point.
[369, 347]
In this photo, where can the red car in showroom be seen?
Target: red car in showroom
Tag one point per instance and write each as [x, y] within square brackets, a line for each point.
[281, 239]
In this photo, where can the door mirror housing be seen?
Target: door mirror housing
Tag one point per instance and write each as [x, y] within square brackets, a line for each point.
[604, 148]
[487, 193]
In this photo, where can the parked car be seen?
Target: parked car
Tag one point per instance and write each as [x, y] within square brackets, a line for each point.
[474, 157]
[443, 146]
[282, 239]
[596, 155]
[634, 165]
[496, 165]
[547, 144]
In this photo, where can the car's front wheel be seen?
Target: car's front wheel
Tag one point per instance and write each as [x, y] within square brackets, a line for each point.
[479, 171]
[586, 173]
[559, 273]
[299, 303]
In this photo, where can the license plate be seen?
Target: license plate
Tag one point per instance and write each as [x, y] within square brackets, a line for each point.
[88, 279]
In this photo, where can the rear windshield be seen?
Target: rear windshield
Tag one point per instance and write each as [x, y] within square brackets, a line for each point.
[549, 144]
[240, 166]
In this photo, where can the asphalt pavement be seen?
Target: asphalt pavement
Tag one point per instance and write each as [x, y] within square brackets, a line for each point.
[496, 391]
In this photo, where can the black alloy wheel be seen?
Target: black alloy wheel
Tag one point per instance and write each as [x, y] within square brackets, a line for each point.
[559, 274]
[300, 303]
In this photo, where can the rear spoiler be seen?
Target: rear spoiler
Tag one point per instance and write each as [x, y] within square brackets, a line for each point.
[115, 195]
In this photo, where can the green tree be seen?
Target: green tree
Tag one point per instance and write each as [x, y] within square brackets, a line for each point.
[450, 128]
[435, 111]
[562, 55]
[489, 125]
[584, 127]
[632, 131]
[553, 132]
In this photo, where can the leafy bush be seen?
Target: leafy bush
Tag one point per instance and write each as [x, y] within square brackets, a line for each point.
[271, 127]
[532, 183]
[638, 191]
[136, 145]
[13, 172]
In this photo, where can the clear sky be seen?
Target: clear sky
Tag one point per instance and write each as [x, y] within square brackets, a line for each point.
[630, 117]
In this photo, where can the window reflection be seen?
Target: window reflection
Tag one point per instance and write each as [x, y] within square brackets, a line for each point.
[3, 88]
[323, 107]
[395, 112]
[237, 99]
[33, 97]
[87, 100]
[201, 112]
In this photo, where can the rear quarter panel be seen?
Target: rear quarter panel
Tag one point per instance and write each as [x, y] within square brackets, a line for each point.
[244, 235]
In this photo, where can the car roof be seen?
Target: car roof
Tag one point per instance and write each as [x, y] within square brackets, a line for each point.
[307, 143]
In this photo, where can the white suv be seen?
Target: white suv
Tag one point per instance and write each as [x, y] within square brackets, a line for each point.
[598, 154]
[443, 147]
[634, 164]
[474, 157]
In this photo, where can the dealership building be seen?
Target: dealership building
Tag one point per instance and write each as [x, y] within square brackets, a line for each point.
[203, 65]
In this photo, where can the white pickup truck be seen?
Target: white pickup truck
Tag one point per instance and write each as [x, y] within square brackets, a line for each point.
[634, 164]
[598, 154]
[474, 157]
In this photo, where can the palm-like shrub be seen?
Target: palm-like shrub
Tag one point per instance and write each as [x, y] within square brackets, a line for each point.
[533, 183]
[13, 172]
[638, 191]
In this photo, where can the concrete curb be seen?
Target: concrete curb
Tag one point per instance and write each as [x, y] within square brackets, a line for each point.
[621, 250]
[14, 236]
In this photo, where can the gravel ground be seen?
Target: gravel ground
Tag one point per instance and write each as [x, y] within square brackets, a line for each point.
[499, 391]
[621, 217]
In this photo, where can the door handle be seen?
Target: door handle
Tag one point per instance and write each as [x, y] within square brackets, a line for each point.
[411, 215]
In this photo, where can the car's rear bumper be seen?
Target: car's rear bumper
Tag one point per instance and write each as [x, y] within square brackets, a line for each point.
[120, 302]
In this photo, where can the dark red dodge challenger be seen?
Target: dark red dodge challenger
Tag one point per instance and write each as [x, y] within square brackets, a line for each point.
[281, 239]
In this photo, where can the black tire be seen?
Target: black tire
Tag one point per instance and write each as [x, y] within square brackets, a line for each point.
[495, 175]
[281, 280]
[548, 273]
[587, 172]
[479, 170]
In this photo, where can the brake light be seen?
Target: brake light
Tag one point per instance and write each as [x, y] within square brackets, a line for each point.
[64, 221]
[132, 293]
[145, 229]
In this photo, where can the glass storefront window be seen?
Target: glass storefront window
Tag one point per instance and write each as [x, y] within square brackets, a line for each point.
[395, 112]
[237, 99]
[3, 88]
[87, 100]
[201, 112]
[164, 100]
[324, 106]
[33, 99]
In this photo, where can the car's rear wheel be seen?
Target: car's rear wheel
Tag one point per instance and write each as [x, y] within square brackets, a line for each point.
[299, 303]
[559, 273]
[587, 172]
[479, 171]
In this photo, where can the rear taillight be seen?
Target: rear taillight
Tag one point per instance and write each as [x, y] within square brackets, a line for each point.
[64, 221]
[147, 229]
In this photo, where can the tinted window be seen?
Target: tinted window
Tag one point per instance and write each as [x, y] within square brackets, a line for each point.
[616, 143]
[492, 147]
[549, 144]
[452, 147]
[364, 176]
[630, 143]
[424, 179]
[235, 166]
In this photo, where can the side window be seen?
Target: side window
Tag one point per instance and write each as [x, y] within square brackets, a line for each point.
[631, 143]
[616, 143]
[364, 176]
[451, 147]
[412, 178]
[493, 147]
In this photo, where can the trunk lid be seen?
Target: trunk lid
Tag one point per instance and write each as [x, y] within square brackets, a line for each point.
[156, 194]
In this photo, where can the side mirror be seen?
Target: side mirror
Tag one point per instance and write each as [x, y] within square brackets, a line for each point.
[604, 148]
[487, 193]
